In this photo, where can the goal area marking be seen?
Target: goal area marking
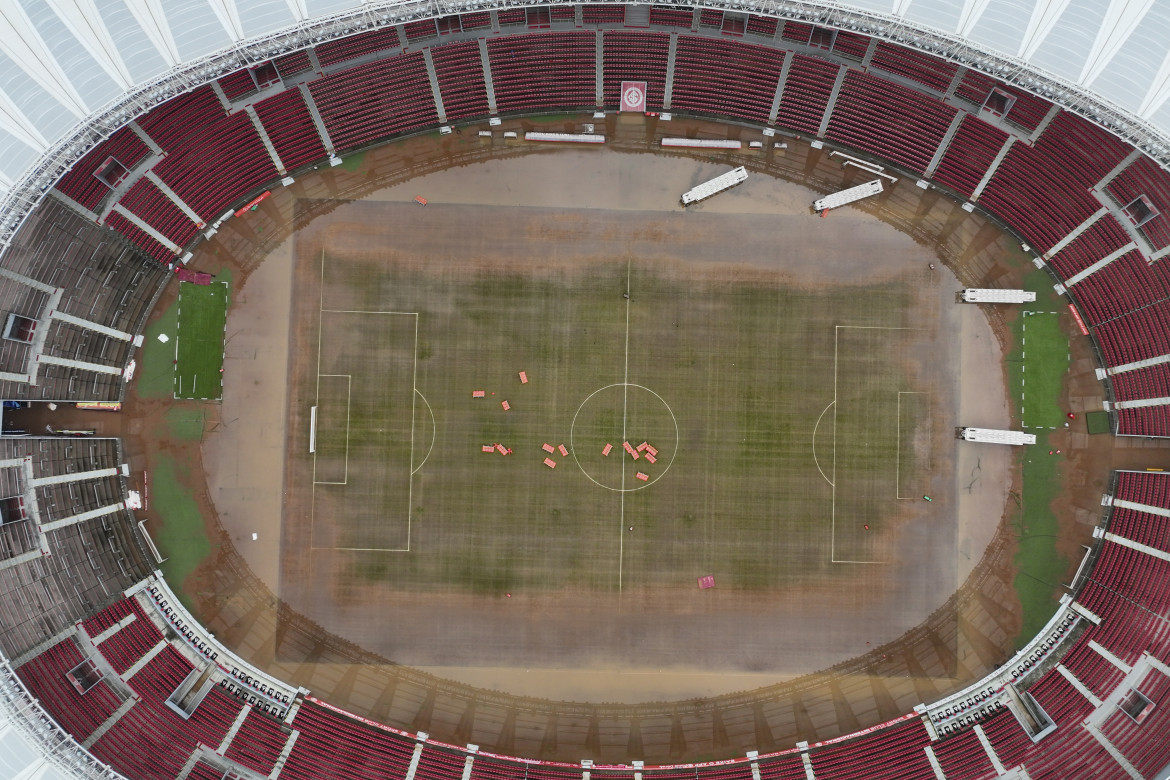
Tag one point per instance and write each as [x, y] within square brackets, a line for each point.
[835, 405]
[316, 418]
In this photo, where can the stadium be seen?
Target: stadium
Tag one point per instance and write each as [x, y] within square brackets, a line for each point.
[374, 408]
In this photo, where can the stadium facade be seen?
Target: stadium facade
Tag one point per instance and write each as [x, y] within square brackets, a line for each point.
[74, 73]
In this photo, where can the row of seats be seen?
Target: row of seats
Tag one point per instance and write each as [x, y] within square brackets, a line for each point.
[79, 714]
[1150, 382]
[1139, 335]
[1147, 421]
[355, 46]
[459, 69]
[1099, 240]
[172, 739]
[81, 183]
[726, 78]
[1144, 177]
[891, 753]
[1120, 287]
[375, 101]
[962, 756]
[259, 742]
[806, 93]
[1142, 527]
[635, 56]
[889, 120]
[1042, 190]
[1141, 487]
[969, 155]
[544, 70]
[931, 72]
[289, 125]
[671, 17]
[148, 203]
[1148, 756]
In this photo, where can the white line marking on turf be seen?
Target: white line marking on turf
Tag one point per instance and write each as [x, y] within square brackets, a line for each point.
[573, 439]
[898, 442]
[348, 406]
[814, 442]
[833, 520]
[625, 397]
[322, 311]
[434, 430]
[413, 405]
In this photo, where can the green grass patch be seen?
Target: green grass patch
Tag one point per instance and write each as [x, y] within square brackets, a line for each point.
[185, 422]
[1041, 368]
[202, 318]
[353, 162]
[1037, 367]
[1039, 567]
[156, 369]
[182, 539]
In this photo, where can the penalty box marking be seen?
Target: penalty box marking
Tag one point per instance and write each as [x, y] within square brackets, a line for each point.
[836, 363]
[348, 405]
[414, 393]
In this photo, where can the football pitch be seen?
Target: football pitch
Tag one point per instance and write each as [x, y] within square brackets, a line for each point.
[468, 421]
[199, 341]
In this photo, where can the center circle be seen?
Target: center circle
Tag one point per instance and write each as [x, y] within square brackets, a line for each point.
[624, 437]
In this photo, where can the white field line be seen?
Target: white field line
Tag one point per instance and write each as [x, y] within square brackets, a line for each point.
[898, 441]
[836, 362]
[322, 311]
[348, 406]
[625, 398]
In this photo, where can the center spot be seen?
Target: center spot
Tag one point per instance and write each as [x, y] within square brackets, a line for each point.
[617, 415]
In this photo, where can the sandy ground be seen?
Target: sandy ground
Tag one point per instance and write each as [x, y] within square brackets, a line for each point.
[981, 470]
[246, 454]
[245, 474]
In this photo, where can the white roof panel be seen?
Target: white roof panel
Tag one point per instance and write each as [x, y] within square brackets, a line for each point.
[1002, 25]
[322, 7]
[1128, 75]
[195, 27]
[262, 16]
[940, 14]
[141, 56]
[91, 82]
[1066, 47]
[15, 155]
[45, 113]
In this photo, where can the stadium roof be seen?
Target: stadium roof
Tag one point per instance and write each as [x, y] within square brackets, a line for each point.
[62, 61]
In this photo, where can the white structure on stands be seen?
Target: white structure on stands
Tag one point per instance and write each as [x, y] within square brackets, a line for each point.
[851, 195]
[991, 295]
[723, 181]
[993, 436]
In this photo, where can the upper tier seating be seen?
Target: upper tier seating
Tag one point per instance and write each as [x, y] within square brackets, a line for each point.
[635, 56]
[544, 70]
[375, 101]
[932, 72]
[461, 81]
[1043, 190]
[726, 78]
[889, 120]
[83, 186]
[1144, 177]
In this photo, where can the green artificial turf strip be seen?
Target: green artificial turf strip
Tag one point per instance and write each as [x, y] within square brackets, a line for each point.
[156, 369]
[181, 538]
[199, 352]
